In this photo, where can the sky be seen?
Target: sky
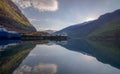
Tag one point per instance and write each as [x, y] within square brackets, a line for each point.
[58, 14]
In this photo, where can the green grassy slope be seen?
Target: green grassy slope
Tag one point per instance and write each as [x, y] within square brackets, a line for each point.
[110, 29]
[12, 17]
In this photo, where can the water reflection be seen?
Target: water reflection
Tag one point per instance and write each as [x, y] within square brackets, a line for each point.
[13, 53]
[6, 43]
[38, 69]
[66, 57]
[105, 51]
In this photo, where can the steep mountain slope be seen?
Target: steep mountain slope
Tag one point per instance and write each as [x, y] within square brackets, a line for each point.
[12, 18]
[110, 29]
[85, 29]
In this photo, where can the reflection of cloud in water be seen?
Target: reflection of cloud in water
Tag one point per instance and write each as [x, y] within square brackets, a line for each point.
[39, 69]
[45, 68]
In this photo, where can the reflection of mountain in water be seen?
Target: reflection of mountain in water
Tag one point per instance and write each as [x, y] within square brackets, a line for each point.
[6, 43]
[105, 52]
[13, 56]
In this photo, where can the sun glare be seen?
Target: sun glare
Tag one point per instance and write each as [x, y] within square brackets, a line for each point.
[90, 18]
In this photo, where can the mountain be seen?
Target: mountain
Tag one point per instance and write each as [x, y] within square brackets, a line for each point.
[108, 30]
[108, 22]
[49, 31]
[13, 19]
[39, 33]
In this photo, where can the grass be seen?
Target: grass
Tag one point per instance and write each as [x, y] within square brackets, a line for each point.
[110, 29]
[13, 12]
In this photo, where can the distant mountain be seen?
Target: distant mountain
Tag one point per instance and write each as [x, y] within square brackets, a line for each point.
[49, 31]
[12, 18]
[40, 33]
[108, 22]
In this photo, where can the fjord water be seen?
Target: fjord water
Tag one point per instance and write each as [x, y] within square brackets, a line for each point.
[66, 57]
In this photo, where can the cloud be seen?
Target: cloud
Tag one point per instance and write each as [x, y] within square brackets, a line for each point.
[38, 69]
[42, 5]
[33, 20]
[45, 68]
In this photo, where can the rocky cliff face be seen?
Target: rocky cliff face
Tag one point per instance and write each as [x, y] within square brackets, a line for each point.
[13, 19]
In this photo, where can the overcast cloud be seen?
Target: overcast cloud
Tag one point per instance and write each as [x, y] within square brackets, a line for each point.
[42, 5]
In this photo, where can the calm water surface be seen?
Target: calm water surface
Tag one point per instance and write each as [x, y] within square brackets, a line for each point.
[66, 57]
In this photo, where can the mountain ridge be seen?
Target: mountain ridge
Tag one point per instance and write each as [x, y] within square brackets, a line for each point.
[82, 31]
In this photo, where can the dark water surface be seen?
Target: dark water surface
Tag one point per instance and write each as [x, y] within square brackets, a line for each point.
[66, 57]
